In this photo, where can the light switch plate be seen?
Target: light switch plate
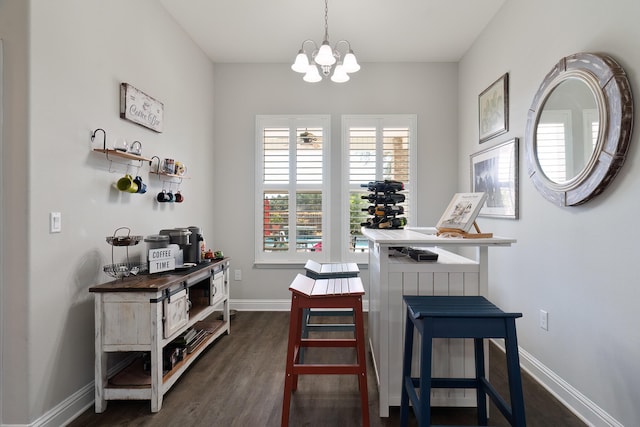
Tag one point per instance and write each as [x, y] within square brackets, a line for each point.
[55, 222]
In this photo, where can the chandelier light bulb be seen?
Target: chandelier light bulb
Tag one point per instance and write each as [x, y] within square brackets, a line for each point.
[339, 74]
[325, 55]
[312, 75]
[350, 63]
[302, 62]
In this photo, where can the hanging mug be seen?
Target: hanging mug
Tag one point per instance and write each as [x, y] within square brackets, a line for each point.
[169, 166]
[162, 196]
[126, 183]
[142, 187]
[178, 197]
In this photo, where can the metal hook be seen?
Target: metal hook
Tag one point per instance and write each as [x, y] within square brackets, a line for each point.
[104, 140]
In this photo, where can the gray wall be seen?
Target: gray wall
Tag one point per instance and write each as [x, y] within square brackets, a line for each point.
[62, 82]
[576, 263]
[245, 90]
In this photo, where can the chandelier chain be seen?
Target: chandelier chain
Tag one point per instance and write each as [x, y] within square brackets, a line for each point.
[326, 20]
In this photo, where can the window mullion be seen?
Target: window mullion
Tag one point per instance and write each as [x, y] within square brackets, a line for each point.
[293, 181]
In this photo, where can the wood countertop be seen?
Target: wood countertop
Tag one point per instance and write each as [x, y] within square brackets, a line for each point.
[158, 281]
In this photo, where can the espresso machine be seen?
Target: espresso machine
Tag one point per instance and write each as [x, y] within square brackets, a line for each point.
[193, 252]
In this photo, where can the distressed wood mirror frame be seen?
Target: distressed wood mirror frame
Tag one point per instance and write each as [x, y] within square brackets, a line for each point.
[609, 84]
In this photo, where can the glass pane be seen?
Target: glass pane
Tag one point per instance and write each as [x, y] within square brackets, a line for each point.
[396, 154]
[276, 219]
[358, 214]
[362, 155]
[276, 155]
[309, 156]
[309, 221]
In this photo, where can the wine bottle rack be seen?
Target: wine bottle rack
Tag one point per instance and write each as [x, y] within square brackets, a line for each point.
[386, 207]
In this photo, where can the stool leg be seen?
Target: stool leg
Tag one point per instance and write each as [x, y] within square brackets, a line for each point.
[515, 379]
[362, 362]
[426, 355]
[306, 318]
[294, 340]
[406, 370]
[481, 395]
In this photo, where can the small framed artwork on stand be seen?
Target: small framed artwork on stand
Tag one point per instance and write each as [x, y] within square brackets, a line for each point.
[460, 216]
[494, 171]
[493, 109]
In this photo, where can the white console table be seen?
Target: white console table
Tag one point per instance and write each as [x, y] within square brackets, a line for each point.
[391, 277]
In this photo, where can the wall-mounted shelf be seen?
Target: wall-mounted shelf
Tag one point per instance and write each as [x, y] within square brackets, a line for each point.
[122, 154]
[169, 175]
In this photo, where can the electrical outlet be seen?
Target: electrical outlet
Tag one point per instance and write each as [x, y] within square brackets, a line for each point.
[237, 275]
[544, 320]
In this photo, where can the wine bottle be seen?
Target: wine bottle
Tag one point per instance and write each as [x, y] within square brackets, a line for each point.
[393, 223]
[371, 222]
[386, 186]
[384, 199]
[382, 210]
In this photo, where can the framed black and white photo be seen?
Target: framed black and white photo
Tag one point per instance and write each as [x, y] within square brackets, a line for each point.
[495, 171]
[493, 109]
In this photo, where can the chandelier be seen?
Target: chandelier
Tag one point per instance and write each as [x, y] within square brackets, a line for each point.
[325, 58]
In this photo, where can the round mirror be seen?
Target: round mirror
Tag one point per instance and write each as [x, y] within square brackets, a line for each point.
[578, 128]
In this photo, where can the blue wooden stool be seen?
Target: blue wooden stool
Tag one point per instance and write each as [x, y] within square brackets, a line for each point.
[316, 270]
[459, 317]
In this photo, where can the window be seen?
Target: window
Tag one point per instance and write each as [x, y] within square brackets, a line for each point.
[374, 148]
[291, 161]
[294, 186]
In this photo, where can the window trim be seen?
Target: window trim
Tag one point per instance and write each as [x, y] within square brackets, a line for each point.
[380, 121]
[292, 122]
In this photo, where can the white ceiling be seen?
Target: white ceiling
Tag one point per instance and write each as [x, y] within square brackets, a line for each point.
[272, 31]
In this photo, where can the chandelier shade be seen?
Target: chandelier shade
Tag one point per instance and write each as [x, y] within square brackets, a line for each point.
[320, 62]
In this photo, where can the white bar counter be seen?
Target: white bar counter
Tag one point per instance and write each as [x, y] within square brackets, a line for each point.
[391, 277]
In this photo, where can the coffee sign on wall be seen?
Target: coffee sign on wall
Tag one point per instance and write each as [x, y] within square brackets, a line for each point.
[140, 108]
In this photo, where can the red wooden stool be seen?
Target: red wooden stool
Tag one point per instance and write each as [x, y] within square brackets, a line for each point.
[308, 293]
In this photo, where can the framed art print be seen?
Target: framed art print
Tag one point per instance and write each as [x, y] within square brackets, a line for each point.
[494, 171]
[493, 109]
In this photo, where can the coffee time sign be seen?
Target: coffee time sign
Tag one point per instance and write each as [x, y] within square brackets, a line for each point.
[140, 108]
[161, 260]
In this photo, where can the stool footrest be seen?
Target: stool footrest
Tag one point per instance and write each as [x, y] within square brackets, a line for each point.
[320, 369]
[326, 342]
[447, 382]
[331, 327]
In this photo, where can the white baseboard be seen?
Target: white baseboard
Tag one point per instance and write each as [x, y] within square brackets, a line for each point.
[576, 402]
[69, 409]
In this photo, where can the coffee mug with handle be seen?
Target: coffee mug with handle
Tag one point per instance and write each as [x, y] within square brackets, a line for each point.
[126, 183]
[162, 196]
[169, 166]
[142, 187]
[180, 168]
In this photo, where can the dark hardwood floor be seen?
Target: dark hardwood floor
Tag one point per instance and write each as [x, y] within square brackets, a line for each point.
[239, 382]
